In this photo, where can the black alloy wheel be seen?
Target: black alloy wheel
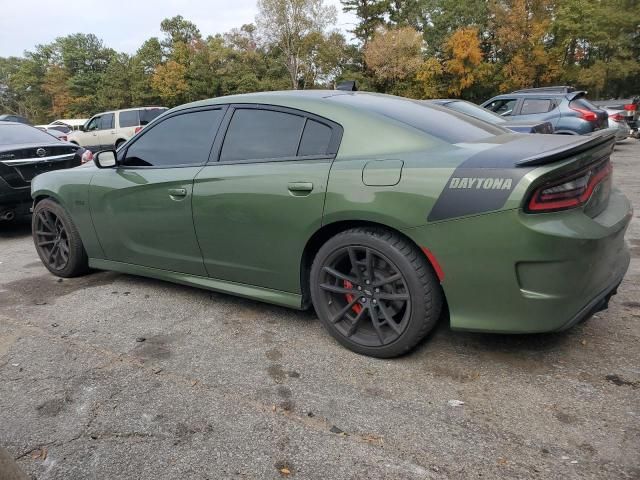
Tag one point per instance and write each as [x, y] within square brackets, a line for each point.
[51, 240]
[57, 240]
[374, 291]
[366, 295]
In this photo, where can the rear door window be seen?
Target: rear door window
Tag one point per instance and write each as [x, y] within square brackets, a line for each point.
[255, 134]
[128, 119]
[183, 139]
[106, 121]
[536, 105]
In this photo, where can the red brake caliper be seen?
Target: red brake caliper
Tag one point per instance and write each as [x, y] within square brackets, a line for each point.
[356, 307]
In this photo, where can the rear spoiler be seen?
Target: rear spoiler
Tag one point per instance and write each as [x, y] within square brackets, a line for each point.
[573, 95]
[583, 143]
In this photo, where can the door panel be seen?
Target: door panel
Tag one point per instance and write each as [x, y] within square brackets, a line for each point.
[253, 219]
[538, 110]
[90, 139]
[107, 132]
[143, 217]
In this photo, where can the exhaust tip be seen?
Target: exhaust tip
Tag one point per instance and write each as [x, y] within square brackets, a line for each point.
[8, 215]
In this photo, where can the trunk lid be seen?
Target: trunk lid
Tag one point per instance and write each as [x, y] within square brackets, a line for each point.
[497, 166]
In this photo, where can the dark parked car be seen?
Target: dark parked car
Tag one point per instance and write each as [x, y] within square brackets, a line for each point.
[25, 152]
[513, 124]
[7, 117]
[566, 108]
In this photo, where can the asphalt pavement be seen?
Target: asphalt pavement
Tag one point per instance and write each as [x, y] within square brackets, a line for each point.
[111, 376]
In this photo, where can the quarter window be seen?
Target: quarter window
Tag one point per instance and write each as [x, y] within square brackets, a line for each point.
[128, 119]
[315, 139]
[536, 105]
[149, 114]
[183, 139]
[261, 134]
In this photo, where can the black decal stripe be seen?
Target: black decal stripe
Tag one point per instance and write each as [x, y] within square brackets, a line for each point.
[499, 162]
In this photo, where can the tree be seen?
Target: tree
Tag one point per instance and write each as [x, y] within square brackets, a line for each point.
[464, 57]
[395, 56]
[520, 35]
[370, 14]
[178, 30]
[286, 24]
[169, 81]
[443, 17]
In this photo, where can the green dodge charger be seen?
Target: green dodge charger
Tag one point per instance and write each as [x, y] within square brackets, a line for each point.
[377, 210]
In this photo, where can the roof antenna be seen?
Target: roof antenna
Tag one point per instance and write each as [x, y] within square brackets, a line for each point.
[347, 85]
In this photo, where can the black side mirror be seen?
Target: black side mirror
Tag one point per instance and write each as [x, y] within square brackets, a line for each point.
[105, 159]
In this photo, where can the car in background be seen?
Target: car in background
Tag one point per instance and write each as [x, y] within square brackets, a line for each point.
[25, 152]
[59, 131]
[380, 211]
[112, 129]
[566, 108]
[8, 117]
[618, 123]
[520, 126]
[72, 123]
[627, 109]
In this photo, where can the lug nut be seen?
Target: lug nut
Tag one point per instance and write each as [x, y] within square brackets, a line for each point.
[359, 287]
[377, 290]
[375, 301]
[363, 299]
[367, 282]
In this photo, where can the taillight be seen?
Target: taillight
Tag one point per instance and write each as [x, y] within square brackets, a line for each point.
[137, 129]
[63, 138]
[616, 117]
[631, 107]
[571, 191]
[585, 114]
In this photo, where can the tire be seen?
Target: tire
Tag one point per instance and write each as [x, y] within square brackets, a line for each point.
[119, 143]
[51, 223]
[388, 316]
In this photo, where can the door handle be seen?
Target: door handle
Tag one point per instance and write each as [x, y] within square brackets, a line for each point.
[178, 192]
[300, 187]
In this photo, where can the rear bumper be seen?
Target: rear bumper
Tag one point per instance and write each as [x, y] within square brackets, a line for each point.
[512, 272]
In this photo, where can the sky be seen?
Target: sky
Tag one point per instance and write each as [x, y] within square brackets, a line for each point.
[122, 25]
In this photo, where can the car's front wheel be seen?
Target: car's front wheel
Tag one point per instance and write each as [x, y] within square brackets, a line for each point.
[375, 292]
[57, 240]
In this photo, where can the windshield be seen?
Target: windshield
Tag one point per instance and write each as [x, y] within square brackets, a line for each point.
[16, 133]
[475, 111]
[443, 123]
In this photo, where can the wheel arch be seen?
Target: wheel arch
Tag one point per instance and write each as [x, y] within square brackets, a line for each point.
[329, 230]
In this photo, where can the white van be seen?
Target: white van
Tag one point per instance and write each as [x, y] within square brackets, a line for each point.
[111, 129]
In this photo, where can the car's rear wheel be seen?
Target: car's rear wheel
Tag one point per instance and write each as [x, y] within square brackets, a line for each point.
[57, 240]
[375, 292]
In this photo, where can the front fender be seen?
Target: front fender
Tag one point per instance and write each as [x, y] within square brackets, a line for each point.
[70, 188]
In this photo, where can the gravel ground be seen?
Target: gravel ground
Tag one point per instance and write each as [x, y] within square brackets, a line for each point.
[228, 388]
